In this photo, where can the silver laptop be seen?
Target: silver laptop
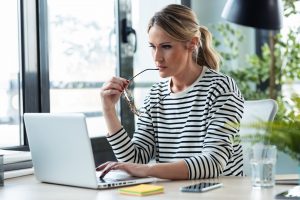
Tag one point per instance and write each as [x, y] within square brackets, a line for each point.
[62, 153]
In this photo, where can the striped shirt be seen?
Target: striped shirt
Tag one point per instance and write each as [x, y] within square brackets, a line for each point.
[197, 125]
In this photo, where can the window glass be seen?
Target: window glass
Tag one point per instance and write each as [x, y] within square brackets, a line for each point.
[82, 56]
[9, 75]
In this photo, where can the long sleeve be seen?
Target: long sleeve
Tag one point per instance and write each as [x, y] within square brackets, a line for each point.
[218, 146]
[140, 149]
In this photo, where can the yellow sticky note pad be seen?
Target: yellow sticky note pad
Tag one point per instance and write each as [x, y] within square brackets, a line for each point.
[142, 190]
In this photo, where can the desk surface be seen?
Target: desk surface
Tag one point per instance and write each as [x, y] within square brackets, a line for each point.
[28, 188]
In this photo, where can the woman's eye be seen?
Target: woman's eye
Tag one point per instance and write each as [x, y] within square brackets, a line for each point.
[167, 46]
[152, 46]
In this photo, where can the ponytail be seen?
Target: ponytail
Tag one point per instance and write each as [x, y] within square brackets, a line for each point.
[206, 54]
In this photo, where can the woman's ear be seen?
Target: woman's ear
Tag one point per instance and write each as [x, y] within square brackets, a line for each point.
[193, 44]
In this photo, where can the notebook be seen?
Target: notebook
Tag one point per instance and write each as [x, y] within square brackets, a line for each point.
[62, 152]
[142, 190]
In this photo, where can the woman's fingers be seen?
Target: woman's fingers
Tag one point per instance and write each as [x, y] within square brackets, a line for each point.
[134, 169]
[118, 81]
[106, 167]
[110, 92]
[112, 86]
[139, 170]
[102, 166]
[115, 85]
[118, 166]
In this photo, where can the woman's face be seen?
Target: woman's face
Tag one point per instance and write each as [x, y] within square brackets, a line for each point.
[170, 56]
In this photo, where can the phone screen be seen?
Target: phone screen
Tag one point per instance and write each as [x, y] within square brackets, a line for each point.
[200, 187]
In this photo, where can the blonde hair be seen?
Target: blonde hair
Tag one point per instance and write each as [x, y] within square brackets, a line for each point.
[181, 24]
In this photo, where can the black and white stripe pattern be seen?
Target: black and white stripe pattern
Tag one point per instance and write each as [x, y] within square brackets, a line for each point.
[197, 125]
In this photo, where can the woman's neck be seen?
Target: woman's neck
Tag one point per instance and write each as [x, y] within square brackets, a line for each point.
[185, 79]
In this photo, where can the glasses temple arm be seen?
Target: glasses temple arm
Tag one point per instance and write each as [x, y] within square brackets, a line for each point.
[141, 72]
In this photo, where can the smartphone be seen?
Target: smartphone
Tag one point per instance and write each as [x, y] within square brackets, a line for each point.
[293, 193]
[200, 187]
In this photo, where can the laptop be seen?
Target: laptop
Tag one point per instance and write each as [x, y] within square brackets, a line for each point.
[62, 152]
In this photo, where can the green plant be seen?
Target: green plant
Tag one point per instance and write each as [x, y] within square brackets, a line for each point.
[251, 78]
[285, 135]
[254, 78]
[289, 7]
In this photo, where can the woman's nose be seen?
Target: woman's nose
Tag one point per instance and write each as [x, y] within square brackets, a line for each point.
[158, 56]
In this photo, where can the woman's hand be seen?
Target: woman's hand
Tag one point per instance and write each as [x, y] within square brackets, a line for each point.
[175, 171]
[138, 170]
[111, 91]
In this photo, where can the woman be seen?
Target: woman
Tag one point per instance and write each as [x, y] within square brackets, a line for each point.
[188, 121]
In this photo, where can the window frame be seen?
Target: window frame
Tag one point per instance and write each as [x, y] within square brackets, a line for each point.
[29, 79]
[34, 71]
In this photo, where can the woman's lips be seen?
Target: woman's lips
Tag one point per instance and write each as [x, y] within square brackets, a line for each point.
[161, 67]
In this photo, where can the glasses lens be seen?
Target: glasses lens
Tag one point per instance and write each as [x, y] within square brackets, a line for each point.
[128, 97]
[129, 100]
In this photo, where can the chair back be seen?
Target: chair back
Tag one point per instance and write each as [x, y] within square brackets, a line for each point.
[255, 111]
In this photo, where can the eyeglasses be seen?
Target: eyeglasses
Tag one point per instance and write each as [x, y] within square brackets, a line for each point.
[128, 97]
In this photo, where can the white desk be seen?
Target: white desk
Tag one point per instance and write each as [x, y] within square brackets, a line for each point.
[239, 188]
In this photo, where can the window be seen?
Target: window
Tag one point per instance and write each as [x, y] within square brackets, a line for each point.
[57, 54]
[10, 134]
[82, 47]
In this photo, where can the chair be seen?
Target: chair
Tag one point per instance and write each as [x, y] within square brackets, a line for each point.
[255, 111]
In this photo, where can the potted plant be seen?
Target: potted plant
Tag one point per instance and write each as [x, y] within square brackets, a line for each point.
[253, 80]
[284, 134]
